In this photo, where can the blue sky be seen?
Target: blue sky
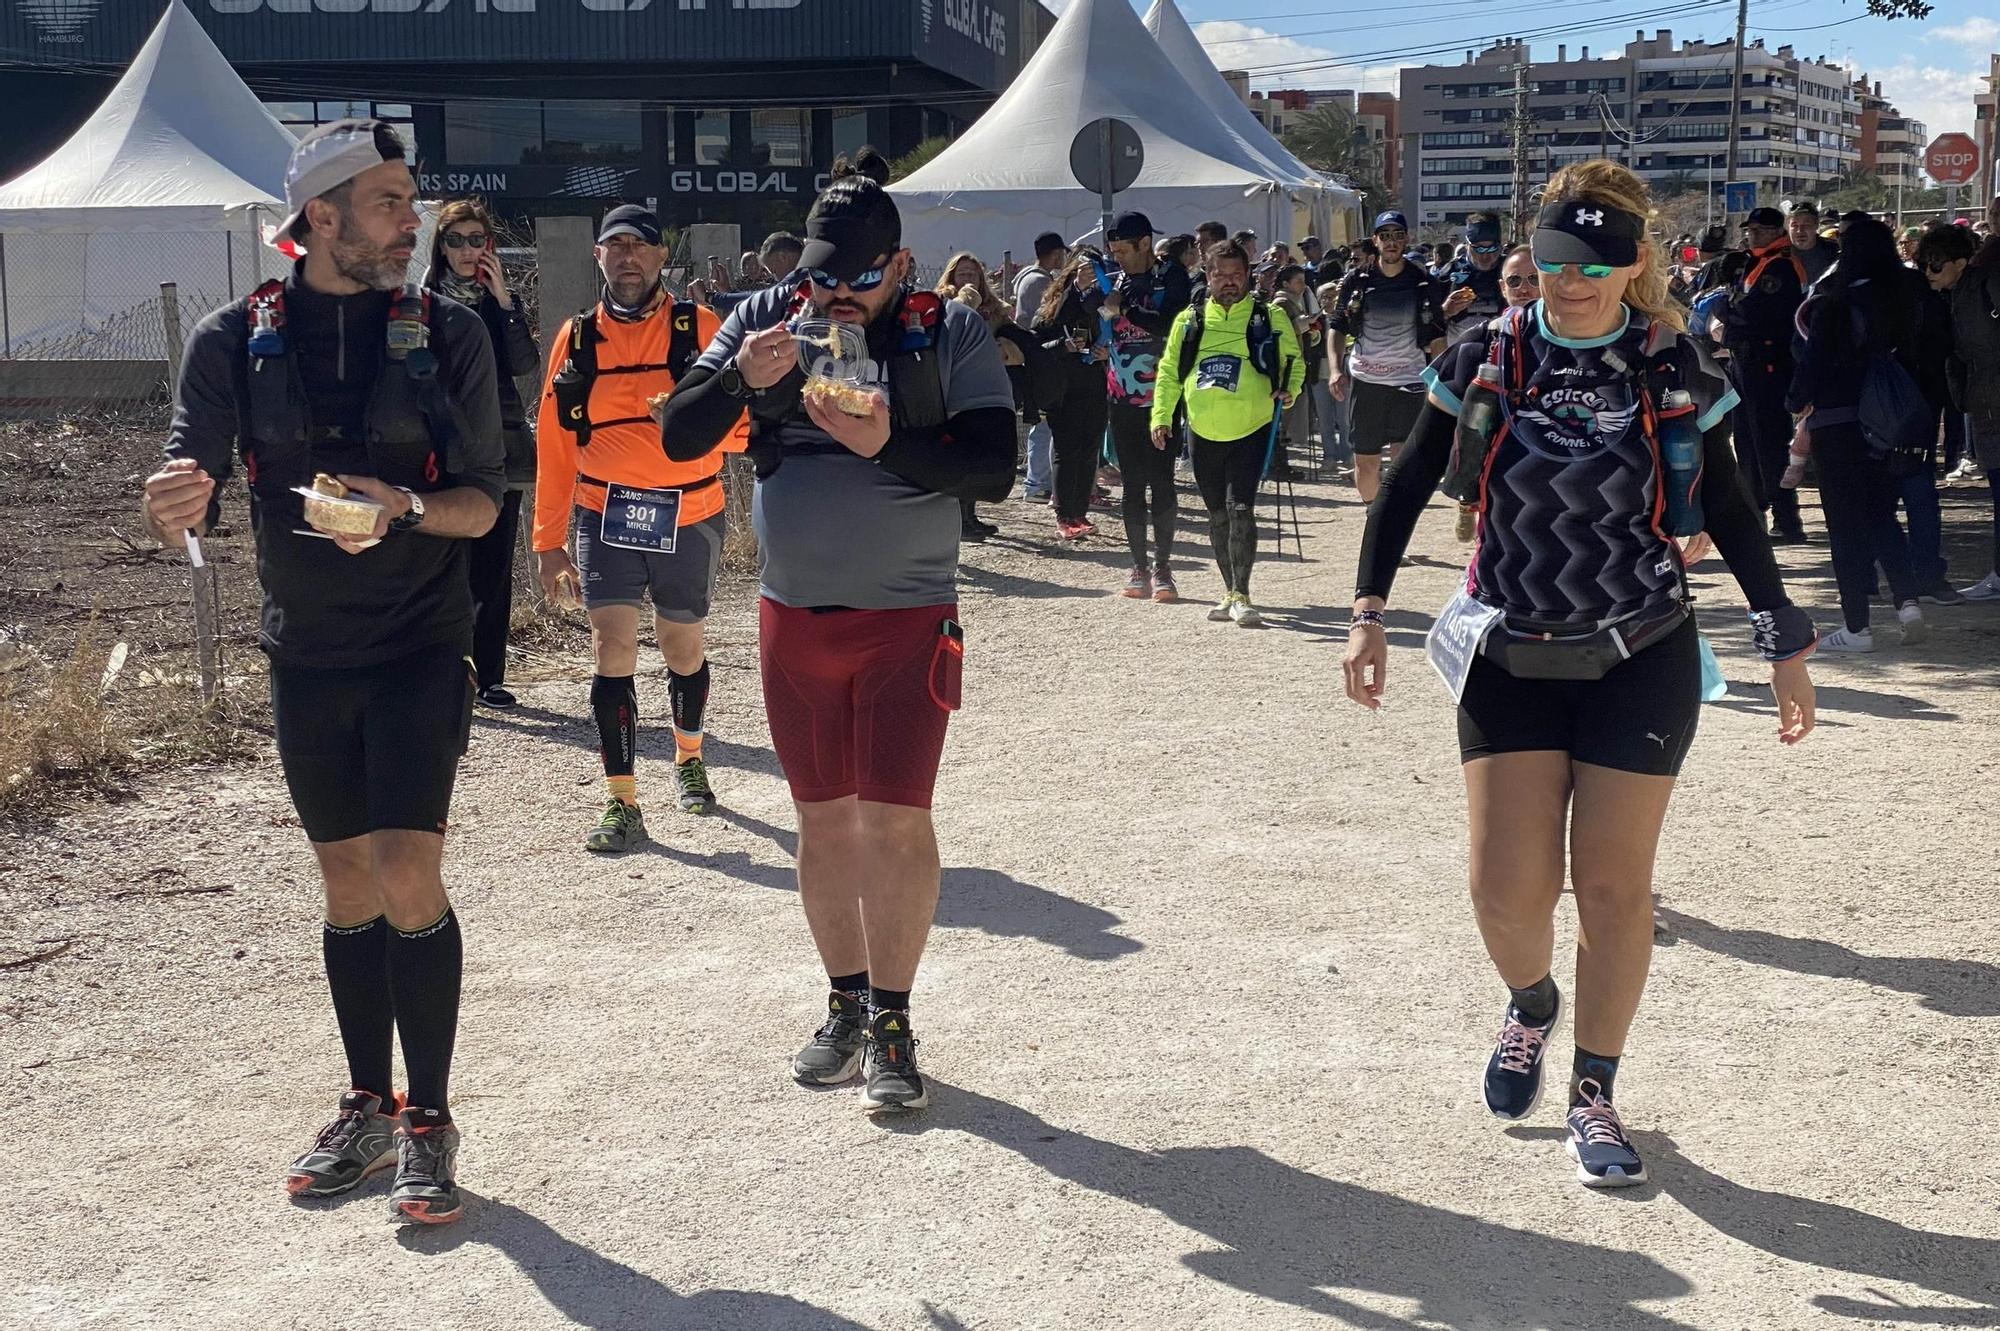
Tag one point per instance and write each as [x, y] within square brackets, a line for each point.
[1930, 69]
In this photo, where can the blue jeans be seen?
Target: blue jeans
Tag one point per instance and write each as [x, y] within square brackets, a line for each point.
[1041, 467]
[1920, 509]
[1331, 416]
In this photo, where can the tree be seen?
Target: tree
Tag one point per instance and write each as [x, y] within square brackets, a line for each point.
[917, 158]
[1899, 9]
[1330, 138]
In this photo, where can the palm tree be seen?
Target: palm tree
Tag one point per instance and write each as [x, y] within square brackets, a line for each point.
[1330, 138]
[918, 157]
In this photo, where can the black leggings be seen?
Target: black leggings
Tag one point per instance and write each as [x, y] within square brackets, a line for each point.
[1227, 475]
[1859, 500]
[1144, 468]
[1076, 432]
[491, 569]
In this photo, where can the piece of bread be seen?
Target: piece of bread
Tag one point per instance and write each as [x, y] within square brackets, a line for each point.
[329, 487]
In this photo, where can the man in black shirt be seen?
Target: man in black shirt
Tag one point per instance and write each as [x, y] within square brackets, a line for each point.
[1473, 282]
[1758, 329]
[342, 371]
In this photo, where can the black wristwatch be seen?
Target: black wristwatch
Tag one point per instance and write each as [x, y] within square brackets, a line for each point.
[413, 519]
[734, 385]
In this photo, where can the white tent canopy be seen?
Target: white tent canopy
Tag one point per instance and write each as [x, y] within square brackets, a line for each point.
[169, 181]
[1007, 178]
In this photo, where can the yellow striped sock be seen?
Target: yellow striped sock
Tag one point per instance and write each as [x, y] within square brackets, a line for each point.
[623, 788]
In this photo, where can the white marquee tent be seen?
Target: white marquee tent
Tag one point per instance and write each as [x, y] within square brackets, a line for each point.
[171, 180]
[1191, 60]
[1007, 178]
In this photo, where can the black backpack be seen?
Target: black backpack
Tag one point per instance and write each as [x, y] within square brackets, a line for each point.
[1263, 339]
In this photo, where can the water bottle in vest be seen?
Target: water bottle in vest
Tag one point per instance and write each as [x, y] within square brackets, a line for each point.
[1680, 463]
[1472, 441]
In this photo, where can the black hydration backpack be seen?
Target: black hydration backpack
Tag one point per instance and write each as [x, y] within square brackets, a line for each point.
[1263, 339]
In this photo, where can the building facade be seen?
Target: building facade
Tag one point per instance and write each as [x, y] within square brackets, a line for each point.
[1986, 126]
[1662, 109]
[711, 110]
[1891, 143]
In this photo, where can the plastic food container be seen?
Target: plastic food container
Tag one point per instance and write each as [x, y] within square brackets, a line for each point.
[349, 517]
[834, 357]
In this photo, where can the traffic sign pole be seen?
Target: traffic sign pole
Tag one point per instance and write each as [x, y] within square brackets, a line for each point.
[1104, 197]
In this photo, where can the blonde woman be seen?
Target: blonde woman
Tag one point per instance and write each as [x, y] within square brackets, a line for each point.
[1577, 704]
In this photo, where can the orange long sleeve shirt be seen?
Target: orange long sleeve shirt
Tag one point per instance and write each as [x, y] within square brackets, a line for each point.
[628, 452]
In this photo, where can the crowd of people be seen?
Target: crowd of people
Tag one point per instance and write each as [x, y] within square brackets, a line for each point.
[1589, 400]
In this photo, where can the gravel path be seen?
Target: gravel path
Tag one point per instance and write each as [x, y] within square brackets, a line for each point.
[1204, 1011]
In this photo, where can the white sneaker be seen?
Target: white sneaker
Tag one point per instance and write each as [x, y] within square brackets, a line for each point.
[1912, 620]
[1986, 589]
[1967, 470]
[1847, 640]
[1221, 612]
[1244, 613]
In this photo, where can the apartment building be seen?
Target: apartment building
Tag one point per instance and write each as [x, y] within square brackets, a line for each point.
[1375, 113]
[1891, 143]
[1986, 129]
[1800, 120]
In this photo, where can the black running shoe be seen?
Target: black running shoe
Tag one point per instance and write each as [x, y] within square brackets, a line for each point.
[894, 1084]
[691, 781]
[1604, 1155]
[1513, 1084]
[426, 1191]
[359, 1141]
[834, 1053]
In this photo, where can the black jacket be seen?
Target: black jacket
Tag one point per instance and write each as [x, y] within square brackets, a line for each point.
[516, 356]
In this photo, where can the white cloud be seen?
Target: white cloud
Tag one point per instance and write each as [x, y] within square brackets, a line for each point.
[1941, 98]
[1233, 45]
[1982, 34]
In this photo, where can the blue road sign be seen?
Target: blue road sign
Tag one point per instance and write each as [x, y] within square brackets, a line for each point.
[1739, 196]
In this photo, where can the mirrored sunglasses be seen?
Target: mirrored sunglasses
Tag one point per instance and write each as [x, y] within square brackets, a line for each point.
[867, 281]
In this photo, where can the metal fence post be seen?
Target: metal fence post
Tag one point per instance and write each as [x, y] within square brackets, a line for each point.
[170, 328]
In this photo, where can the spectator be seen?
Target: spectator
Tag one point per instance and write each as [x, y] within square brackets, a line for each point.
[965, 280]
[1975, 366]
[1066, 326]
[1032, 284]
[1290, 294]
[1869, 306]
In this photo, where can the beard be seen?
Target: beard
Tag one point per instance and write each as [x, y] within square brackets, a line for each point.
[359, 259]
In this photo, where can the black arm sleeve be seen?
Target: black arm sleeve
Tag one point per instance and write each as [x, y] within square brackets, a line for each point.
[1735, 524]
[1392, 518]
[699, 416]
[205, 424]
[971, 457]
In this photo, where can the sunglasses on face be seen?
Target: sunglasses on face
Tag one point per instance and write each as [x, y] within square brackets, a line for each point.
[1596, 272]
[867, 281]
[1396, 236]
[1486, 249]
[458, 240]
[1523, 280]
[1935, 267]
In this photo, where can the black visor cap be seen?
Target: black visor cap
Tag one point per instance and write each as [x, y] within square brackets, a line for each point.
[1580, 231]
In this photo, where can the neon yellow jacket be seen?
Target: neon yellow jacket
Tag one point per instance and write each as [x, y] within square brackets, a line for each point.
[1219, 413]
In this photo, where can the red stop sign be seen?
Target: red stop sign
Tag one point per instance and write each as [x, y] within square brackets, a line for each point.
[1952, 159]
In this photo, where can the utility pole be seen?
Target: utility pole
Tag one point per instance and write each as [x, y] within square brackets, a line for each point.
[1603, 125]
[1736, 98]
[1523, 128]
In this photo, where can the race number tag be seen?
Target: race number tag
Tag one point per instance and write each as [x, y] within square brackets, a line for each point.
[1455, 638]
[1219, 372]
[641, 519]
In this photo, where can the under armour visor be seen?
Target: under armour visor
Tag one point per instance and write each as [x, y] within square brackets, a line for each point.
[1582, 231]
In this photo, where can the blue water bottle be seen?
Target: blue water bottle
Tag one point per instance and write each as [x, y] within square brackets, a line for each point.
[1680, 462]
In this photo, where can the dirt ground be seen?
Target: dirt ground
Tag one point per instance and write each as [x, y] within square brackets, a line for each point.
[1204, 1011]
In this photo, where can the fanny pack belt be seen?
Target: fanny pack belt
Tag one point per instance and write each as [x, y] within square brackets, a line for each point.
[1581, 653]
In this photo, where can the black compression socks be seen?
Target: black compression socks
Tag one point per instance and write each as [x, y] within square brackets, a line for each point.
[889, 1000]
[1599, 1068]
[1536, 1003]
[1242, 544]
[357, 972]
[425, 968]
[688, 696]
[855, 986]
[615, 703]
[1218, 536]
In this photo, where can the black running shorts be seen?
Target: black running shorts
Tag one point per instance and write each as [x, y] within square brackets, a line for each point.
[679, 585]
[1639, 718]
[1383, 415]
[373, 748]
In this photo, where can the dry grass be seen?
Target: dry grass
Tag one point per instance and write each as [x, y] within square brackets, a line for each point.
[56, 727]
[739, 546]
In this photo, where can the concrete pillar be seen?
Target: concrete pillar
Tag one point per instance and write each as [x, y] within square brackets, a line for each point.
[566, 271]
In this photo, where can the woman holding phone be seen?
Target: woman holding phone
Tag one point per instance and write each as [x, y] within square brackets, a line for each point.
[465, 266]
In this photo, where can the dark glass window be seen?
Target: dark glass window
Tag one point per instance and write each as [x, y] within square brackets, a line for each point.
[850, 130]
[589, 132]
[780, 138]
[711, 138]
[492, 133]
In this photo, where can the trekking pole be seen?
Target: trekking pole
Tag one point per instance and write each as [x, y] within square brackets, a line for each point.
[1279, 486]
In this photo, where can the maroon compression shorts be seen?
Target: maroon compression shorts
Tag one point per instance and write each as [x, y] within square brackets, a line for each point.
[858, 699]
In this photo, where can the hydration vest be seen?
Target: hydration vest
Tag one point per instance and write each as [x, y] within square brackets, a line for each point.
[572, 383]
[1263, 340]
[408, 427]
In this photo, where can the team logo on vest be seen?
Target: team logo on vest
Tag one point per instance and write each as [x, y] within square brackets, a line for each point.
[1567, 424]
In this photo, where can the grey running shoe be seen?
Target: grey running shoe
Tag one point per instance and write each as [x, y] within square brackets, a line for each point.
[834, 1053]
[426, 1191]
[691, 780]
[894, 1084]
[620, 829]
[358, 1142]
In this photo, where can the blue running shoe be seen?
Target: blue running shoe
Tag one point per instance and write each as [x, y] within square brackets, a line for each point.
[1513, 1085]
[1604, 1155]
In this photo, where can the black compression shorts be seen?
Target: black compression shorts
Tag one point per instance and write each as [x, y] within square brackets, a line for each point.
[373, 748]
[1383, 415]
[1639, 718]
